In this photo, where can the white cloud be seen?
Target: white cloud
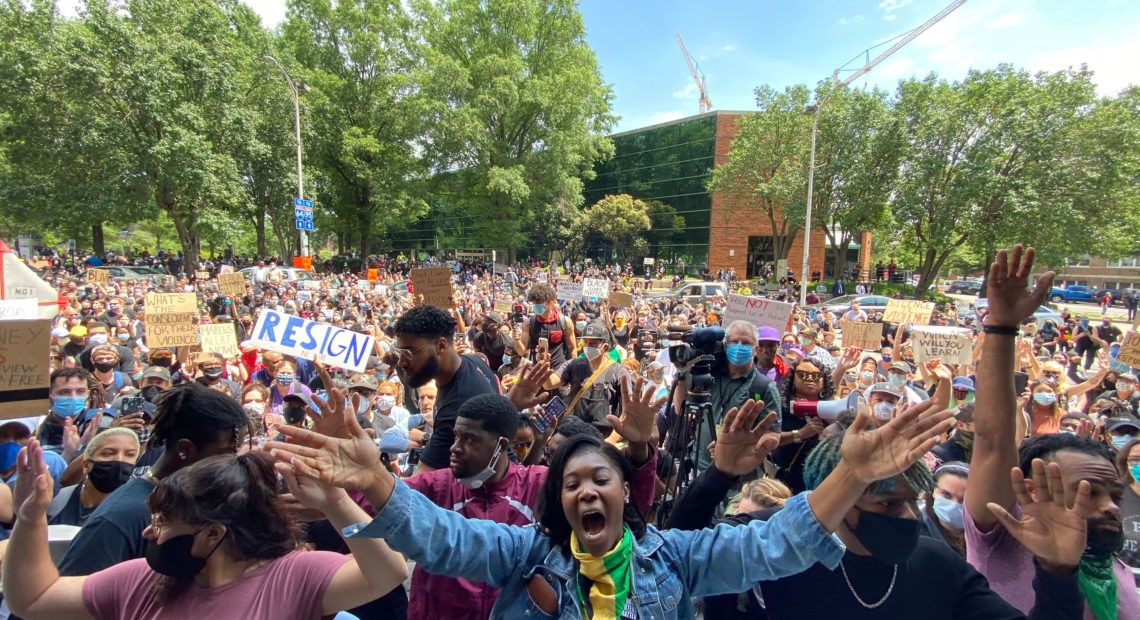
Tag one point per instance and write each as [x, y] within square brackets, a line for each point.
[690, 91]
[728, 48]
[1113, 64]
[891, 17]
[664, 117]
[854, 19]
[890, 6]
[1013, 18]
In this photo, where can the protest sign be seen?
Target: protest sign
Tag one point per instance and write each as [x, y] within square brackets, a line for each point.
[374, 275]
[503, 307]
[434, 284]
[648, 261]
[171, 320]
[226, 269]
[24, 368]
[569, 291]
[619, 299]
[908, 311]
[312, 285]
[758, 311]
[952, 345]
[231, 284]
[304, 295]
[595, 288]
[202, 275]
[17, 309]
[1130, 349]
[299, 337]
[866, 336]
[219, 338]
[98, 276]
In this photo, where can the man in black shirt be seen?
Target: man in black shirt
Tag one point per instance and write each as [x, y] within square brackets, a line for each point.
[493, 340]
[594, 379]
[424, 351]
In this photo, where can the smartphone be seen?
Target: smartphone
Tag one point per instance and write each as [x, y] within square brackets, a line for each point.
[131, 404]
[543, 345]
[460, 337]
[551, 411]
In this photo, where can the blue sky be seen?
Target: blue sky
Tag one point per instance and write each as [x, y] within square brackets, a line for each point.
[741, 44]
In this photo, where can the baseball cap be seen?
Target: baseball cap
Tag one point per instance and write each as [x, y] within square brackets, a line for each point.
[1121, 422]
[1127, 377]
[156, 372]
[78, 331]
[766, 333]
[494, 317]
[59, 332]
[901, 365]
[303, 398]
[363, 380]
[963, 383]
[26, 426]
[596, 331]
[883, 387]
[654, 366]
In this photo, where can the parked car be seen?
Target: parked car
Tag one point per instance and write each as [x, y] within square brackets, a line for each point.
[964, 287]
[1071, 293]
[693, 292]
[131, 272]
[1042, 314]
[292, 274]
[838, 305]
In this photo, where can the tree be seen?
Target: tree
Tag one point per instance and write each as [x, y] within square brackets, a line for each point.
[766, 170]
[622, 220]
[665, 227]
[516, 99]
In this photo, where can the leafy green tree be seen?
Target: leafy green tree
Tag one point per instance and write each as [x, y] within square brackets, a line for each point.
[622, 220]
[767, 164]
[665, 227]
[515, 98]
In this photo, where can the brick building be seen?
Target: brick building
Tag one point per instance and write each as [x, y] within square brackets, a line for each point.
[1097, 272]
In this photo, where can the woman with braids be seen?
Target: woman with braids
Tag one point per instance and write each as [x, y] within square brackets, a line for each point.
[219, 545]
[804, 381]
[888, 570]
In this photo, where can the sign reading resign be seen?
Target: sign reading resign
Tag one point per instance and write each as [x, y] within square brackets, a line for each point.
[1130, 349]
[569, 291]
[866, 336]
[596, 288]
[219, 338]
[952, 345]
[24, 369]
[292, 335]
[435, 285]
[171, 320]
[908, 311]
[232, 284]
[758, 311]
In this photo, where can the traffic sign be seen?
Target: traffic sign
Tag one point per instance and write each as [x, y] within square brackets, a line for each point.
[303, 214]
[301, 202]
[304, 224]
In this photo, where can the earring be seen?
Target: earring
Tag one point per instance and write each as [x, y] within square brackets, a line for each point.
[182, 455]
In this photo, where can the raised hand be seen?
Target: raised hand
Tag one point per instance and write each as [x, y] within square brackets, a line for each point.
[32, 492]
[527, 389]
[1010, 300]
[307, 489]
[936, 368]
[741, 447]
[638, 418]
[351, 462]
[71, 440]
[891, 449]
[1052, 525]
[850, 358]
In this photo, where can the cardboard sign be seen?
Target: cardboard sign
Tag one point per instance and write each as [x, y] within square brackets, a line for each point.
[1130, 350]
[171, 320]
[952, 345]
[310, 285]
[219, 338]
[292, 335]
[98, 276]
[758, 311]
[24, 368]
[202, 275]
[619, 299]
[226, 269]
[569, 291]
[231, 284]
[373, 275]
[304, 295]
[18, 309]
[908, 311]
[435, 285]
[648, 261]
[866, 336]
[503, 306]
[595, 288]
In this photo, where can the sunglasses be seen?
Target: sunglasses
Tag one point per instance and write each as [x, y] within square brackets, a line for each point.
[804, 375]
[1055, 375]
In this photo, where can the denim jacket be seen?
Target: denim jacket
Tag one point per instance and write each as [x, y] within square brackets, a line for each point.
[670, 566]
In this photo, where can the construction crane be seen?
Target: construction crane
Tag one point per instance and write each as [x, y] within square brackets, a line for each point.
[698, 76]
[902, 41]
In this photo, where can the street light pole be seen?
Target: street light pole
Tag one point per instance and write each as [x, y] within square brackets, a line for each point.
[814, 110]
[293, 86]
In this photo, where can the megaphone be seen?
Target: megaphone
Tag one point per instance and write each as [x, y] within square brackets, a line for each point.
[826, 410]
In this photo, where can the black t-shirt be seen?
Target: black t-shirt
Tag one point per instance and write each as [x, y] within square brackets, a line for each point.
[1108, 334]
[113, 533]
[492, 346]
[553, 331]
[602, 398]
[472, 379]
[1130, 512]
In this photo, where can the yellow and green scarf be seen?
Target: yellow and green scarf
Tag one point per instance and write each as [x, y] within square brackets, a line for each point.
[609, 578]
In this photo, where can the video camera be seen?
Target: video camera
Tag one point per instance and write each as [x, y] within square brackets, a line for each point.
[705, 344]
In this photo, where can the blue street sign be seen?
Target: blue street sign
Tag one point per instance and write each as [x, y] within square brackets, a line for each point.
[301, 202]
[303, 214]
[304, 224]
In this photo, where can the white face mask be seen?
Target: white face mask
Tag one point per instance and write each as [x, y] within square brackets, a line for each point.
[385, 402]
[592, 353]
[883, 411]
[476, 481]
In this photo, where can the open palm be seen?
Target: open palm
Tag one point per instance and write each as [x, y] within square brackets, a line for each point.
[1010, 299]
[1053, 525]
[638, 413]
[350, 463]
[891, 449]
[32, 492]
[742, 445]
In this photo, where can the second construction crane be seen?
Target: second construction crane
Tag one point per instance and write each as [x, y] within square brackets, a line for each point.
[698, 76]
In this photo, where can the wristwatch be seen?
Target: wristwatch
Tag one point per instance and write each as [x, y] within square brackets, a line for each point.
[796, 437]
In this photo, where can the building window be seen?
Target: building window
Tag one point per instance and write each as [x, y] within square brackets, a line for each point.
[1127, 261]
[1078, 262]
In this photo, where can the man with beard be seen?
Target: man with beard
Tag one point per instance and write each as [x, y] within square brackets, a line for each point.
[424, 351]
[1106, 583]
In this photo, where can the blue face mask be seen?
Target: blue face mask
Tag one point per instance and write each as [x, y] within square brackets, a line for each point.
[579, 325]
[949, 512]
[68, 406]
[284, 379]
[1119, 441]
[506, 358]
[887, 358]
[97, 339]
[738, 353]
[1134, 469]
[538, 308]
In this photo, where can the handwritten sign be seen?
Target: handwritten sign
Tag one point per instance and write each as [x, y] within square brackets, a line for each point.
[758, 311]
[866, 336]
[435, 285]
[226, 269]
[24, 368]
[569, 291]
[231, 284]
[595, 288]
[17, 309]
[1130, 349]
[304, 295]
[98, 276]
[292, 335]
[171, 320]
[202, 275]
[219, 338]
[503, 306]
[619, 299]
[908, 311]
[952, 345]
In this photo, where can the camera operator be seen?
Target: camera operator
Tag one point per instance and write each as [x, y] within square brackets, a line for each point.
[733, 385]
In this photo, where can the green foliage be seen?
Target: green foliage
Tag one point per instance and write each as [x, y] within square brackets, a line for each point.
[622, 220]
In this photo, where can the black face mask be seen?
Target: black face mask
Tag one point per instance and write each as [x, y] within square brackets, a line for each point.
[106, 476]
[150, 392]
[294, 414]
[890, 540]
[172, 558]
[162, 362]
[104, 366]
[212, 373]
